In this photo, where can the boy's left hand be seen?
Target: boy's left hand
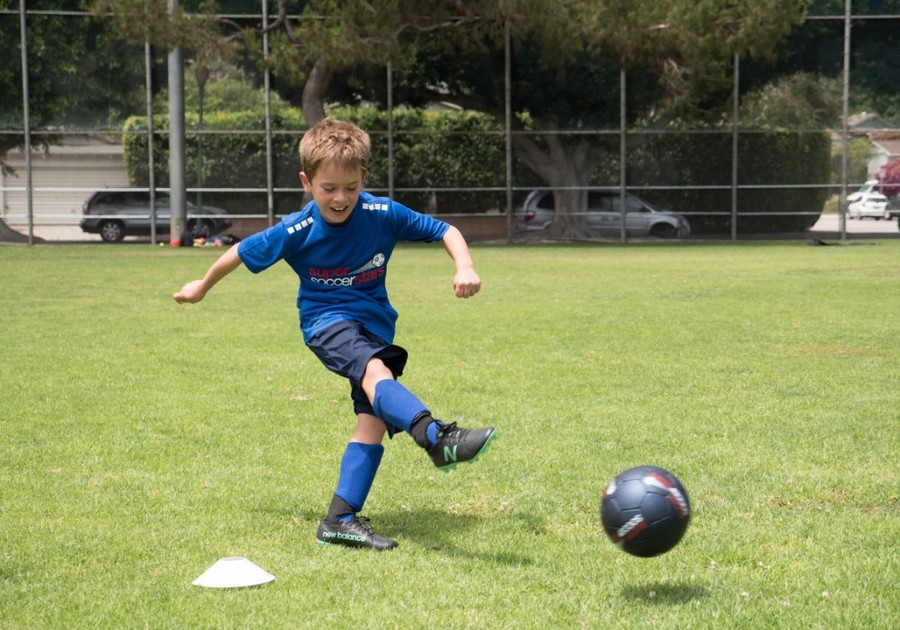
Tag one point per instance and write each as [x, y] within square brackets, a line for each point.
[466, 283]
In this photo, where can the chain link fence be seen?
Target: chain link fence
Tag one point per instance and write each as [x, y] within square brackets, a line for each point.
[804, 132]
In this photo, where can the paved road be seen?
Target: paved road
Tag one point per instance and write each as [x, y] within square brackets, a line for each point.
[828, 227]
[829, 224]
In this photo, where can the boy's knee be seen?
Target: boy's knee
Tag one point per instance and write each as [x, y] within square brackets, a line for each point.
[369, 429]
[376, 371]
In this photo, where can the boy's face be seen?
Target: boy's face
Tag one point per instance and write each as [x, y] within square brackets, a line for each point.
[335, 189]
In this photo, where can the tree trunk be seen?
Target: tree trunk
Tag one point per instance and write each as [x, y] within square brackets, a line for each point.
[567, 168]
[314, 99]
[314, 92]
[9, 235]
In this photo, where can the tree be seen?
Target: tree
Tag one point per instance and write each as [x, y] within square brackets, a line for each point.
[77, 79]
[329, 36]
[192, 27]
[859, 151]
[888, 178]
[797, 101]
[566, 68]
[567, 59]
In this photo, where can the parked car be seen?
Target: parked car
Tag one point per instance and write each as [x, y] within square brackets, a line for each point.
[868, 204]
[868, 201]
[871, 186]
[604, 215]
[116, 214]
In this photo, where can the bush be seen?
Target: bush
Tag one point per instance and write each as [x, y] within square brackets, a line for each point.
[432, 150]
[889, 178]
[437, 151]
[229, 160]
[767, 159]
[858, 154]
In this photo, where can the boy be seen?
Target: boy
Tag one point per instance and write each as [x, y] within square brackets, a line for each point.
[339, 245]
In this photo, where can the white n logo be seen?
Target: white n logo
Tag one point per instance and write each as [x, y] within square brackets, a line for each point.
[450, 453]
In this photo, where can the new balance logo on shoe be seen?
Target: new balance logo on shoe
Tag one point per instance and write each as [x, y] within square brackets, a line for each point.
[343, 536]
[354, 532]
[455, 445]
[450, 453]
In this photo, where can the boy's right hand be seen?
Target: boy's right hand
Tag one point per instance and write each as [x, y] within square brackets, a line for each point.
[191, 293]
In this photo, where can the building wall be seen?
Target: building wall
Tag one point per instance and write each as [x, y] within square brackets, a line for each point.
[884, 150]
[62, 178]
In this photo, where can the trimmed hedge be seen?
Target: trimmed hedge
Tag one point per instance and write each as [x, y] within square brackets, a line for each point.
[432, 150]
[768, 160]
[230, 160]
[436, 151]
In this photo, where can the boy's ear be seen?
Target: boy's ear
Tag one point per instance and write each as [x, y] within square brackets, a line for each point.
[307, 187]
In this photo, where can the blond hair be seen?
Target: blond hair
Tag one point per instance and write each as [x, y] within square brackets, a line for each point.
[337, 142]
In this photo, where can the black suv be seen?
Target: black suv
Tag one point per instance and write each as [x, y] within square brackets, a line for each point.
[114, 215]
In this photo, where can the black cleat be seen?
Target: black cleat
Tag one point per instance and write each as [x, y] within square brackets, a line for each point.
[354, 532]
[455, 445]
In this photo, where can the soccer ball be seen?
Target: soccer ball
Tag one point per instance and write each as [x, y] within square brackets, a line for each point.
[645, 511]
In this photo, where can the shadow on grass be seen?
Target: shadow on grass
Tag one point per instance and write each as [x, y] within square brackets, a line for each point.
[453, 535]
[461, 535]
[664, 593]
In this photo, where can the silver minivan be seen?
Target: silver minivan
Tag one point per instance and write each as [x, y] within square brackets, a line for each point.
[604, 215]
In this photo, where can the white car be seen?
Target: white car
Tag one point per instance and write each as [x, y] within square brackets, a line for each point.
[870, 186]
[869, 204]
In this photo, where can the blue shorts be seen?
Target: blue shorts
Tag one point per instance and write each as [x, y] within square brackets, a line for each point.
[347, 347]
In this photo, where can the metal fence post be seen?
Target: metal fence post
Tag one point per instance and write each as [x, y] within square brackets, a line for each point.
[26, 118]
[845, 123]
[734, 146]
[151, 160]
[389, 79]
[507, 114]
[177, 191]
[267, 83]
[623, 149]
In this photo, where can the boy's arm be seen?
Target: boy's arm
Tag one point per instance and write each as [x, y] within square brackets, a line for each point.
[195, 291]
[466, 282]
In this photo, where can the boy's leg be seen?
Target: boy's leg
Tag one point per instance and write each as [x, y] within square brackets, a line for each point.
[359, 465]
[446, 444]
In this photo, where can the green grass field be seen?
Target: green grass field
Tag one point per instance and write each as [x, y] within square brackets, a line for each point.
[142, 441]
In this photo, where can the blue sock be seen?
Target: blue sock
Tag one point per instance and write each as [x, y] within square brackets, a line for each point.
[396, 405]
[432, 432]
[358, 468]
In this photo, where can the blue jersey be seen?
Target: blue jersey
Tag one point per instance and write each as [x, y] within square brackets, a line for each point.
[342, 268]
